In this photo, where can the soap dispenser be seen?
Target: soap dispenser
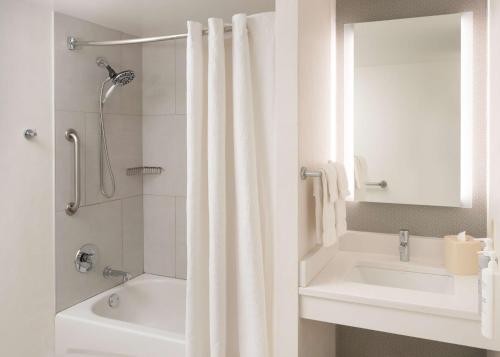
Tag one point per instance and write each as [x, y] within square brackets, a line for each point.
[483, 261]
[487, 293]
[487, 247]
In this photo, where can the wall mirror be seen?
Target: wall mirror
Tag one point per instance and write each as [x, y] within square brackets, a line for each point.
[408, 110]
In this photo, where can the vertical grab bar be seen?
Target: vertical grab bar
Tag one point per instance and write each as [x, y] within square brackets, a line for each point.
[72, 136]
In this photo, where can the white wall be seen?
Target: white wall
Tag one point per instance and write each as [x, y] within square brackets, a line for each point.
[494, 121]
[314, 140]
[314, 101]
[285, 303]
[26, 207]
[115, 225]
[493, 133]
[407, 127]
[164, 144]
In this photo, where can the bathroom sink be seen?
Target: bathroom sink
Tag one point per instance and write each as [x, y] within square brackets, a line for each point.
[401, 278]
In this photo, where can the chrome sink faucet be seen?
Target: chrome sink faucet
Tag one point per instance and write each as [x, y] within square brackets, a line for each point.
[109, 273]
[404, 245]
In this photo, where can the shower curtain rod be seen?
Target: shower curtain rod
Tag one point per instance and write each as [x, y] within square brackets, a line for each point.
[73, 43]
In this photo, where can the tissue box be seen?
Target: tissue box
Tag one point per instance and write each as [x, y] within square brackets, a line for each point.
[460, 257]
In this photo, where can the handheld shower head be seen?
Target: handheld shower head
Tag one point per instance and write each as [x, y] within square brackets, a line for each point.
[123, 78]
[118, 79]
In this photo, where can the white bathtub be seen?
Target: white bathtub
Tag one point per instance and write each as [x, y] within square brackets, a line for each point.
[148, 321]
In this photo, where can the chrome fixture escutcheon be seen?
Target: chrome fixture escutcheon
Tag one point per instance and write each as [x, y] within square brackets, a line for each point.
[86, 258]
[30, 133]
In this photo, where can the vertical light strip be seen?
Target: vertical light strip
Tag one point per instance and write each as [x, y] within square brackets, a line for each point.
[466, 109]
[349, 106]
[334, 138]
[490, 228]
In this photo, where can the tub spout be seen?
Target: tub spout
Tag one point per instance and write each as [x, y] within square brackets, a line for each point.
[109, 273]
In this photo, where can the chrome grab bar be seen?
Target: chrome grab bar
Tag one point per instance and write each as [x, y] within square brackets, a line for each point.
[72, 136]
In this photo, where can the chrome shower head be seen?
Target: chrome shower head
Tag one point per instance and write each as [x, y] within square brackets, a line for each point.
[123, 78]
[118, 79]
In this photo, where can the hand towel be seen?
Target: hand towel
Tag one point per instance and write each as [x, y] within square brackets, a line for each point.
[330, 196]
[318, 208]
[340, 204]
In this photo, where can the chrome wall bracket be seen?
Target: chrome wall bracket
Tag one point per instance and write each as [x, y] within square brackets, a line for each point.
[30, 133]
[305, 173]
[71, 43]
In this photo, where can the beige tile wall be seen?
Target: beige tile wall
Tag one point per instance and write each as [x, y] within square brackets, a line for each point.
[164, 144]
[114, 225]
[146, 125]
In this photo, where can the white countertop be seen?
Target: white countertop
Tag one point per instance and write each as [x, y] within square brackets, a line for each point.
[331, 283]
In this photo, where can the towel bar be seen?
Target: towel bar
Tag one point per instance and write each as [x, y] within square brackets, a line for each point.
[305, 173]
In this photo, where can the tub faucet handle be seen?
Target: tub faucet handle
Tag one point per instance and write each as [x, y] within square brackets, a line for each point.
[86, 258]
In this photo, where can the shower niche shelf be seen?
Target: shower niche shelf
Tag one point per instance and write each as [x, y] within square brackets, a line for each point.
[144, 170]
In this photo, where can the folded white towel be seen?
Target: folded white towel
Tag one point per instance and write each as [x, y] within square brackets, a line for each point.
[330, 196]
[342, 182]
[340, 204]
[318, 208]
[328, 205]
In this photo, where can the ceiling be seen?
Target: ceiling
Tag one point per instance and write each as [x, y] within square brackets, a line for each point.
[157, 17]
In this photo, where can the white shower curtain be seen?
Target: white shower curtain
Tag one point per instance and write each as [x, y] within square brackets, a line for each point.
[230, 132]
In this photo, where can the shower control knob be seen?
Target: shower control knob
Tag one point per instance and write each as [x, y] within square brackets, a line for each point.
[86, 258]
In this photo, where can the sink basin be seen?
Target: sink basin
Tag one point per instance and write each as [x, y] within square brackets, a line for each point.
[400, 278]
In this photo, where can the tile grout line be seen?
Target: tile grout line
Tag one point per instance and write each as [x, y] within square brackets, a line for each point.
[162, 195]
[143, 82]
[85, 160]
[175, 76]
[167, 116]
[122, 237]
[96, 112]
[105, 202]
[175, 237]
